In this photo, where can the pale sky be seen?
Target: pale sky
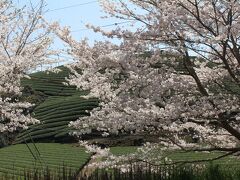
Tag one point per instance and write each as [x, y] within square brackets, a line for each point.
[75, 14]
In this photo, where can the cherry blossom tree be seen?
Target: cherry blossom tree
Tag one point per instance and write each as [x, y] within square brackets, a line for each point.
[150, 83]
[24, 45]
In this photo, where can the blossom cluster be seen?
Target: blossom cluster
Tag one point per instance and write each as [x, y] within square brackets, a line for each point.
[166, 93]
[24, 45]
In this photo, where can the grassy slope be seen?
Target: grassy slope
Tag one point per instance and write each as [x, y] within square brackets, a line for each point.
[17, 158]
[62, 104]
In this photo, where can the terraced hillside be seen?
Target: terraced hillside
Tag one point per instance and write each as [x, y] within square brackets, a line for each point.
[17, 159]
[62, 104]
[50, 83]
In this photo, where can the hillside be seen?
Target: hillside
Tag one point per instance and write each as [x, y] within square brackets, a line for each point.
[57, 105]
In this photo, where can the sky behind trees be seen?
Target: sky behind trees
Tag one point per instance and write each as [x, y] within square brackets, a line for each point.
[76, 14]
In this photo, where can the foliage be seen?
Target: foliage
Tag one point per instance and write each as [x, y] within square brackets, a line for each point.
[144, 173]
[63, 173]
[7, 138]
[147, 172]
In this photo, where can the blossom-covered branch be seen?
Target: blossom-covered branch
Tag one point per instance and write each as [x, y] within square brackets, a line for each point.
[24, 45]
[168, 93]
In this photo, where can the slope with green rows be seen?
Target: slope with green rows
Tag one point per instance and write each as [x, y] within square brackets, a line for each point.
[60, 104]
[51, 83]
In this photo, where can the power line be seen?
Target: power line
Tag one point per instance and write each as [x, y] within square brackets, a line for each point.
[107, 25]
[81, 4]
[72, 6]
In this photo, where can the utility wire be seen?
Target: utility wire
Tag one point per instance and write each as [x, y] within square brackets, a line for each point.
[81, 4]
[107, 25]
[72, 6]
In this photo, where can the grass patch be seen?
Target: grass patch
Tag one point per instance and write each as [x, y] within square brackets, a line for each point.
[17, 159]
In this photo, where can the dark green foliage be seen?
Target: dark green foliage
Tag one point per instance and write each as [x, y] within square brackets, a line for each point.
[215, 173]
[6, 138]
[136, 173]
[64, 173]
[63, 133]
[32, 96]
[3, 140]
[192, 172]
